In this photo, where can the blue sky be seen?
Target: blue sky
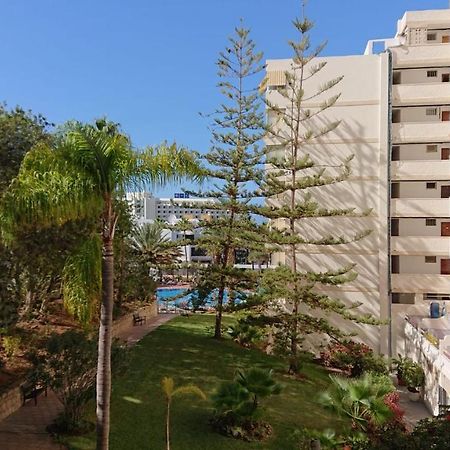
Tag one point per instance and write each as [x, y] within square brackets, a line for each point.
[150, 64]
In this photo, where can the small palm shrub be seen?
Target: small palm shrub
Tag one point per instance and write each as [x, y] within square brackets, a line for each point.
[237, 404]
[245, 334]
[363, 400]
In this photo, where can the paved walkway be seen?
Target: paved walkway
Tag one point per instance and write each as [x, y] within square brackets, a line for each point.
[414, 411]
[26, 428]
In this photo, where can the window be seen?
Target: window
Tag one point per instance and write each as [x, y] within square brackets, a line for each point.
[403, 298]
[432, 148]
[431, 36]
[430, 259]
[431, 185]
[395, 153]
[435, 296]
[431, 73]
[431, 111]
[430, 222]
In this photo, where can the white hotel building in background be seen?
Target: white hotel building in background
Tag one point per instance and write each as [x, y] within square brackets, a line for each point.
[395, 112]
[146, 209]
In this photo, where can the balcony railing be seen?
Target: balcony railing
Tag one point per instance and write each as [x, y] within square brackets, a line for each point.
[421, 170]
[421, 94]
[420, 207]
[418, 132]
[420, 283]
[420, 245]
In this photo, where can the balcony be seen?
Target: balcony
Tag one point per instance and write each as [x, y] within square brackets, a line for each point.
[421, 94]
[420, 207]
[421, 246]
[420, 283]
[421, 56]
[418, 132]
[421, 170]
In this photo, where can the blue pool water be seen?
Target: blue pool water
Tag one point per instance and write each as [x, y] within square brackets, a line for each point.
[164, 297]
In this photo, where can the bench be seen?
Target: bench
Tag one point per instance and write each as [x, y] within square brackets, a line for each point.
[137, 319]
[31, 390]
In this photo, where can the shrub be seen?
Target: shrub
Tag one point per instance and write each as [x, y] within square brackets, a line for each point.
[245, 334]
[361, 399]
[353, 357]
[11, 345]
[414, 377]
[431, 434]
[237, 404]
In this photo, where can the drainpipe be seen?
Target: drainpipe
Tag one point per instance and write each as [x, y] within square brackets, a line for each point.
[389, 188]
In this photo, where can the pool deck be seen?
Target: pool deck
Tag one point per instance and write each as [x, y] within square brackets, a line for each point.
[175, 286]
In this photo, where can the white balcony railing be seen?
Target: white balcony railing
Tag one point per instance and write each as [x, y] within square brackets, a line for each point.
[421, 170]
[420, 207]
[421, 245]
[421, 94]
[420, 283]
[421, 56]
[417, 132]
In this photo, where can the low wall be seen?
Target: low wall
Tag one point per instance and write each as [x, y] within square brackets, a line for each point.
[10, 402]
[124, 322]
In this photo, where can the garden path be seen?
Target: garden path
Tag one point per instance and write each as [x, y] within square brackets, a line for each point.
[26, 428]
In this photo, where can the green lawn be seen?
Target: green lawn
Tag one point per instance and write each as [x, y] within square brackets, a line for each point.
[182, 349]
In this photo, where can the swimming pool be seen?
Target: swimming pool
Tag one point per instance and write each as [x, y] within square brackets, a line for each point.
[164, 297]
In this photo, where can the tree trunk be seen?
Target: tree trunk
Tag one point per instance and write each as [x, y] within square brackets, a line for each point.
[105, 329]
[168, 426]
[218, 327]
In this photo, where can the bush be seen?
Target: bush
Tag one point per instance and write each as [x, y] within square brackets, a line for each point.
[245, 334]
[237, 404]
[414, 376]
[11, 345]
[353, 357]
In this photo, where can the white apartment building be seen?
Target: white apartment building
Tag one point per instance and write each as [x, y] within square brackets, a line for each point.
[146, 209]
[395, 112]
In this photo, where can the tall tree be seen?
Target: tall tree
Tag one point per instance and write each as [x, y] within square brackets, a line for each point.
[80, 176]
[291, 176]
[234, 161]
[20, 130]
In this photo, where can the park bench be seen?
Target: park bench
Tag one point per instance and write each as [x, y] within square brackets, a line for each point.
[31, 390]
[137, 319]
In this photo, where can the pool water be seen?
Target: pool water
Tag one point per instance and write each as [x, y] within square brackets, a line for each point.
[164, 297]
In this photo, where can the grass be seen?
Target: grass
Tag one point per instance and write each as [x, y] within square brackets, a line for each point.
[183, 349]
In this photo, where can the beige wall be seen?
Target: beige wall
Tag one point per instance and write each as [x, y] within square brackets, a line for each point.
[362, 108]
[418, 227]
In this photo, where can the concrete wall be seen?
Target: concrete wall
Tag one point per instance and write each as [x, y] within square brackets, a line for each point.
[420, 151]
[418, 189]
[421, 76]
[10, 402]
[417, 264]
[419, 114]
[121, 324]
[418, 227]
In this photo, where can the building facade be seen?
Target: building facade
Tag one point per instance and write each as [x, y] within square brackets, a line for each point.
[395, 112]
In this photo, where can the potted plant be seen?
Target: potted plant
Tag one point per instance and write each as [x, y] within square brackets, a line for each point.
[414, 377]
[401, 365]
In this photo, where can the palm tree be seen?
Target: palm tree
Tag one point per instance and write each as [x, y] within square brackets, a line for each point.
[360, 399]
[155, 249]
[80, 175]
[170, 392]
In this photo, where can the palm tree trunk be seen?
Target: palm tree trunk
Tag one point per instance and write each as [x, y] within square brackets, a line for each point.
[168, 426]
[105, 331]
